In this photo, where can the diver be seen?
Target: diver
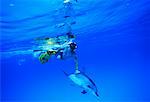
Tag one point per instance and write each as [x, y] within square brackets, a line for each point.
[60, 46]
[60, 53]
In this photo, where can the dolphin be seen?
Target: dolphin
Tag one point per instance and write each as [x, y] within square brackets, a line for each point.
[84, 82]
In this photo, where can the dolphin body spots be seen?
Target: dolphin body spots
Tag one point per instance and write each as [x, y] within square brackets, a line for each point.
[83, 81]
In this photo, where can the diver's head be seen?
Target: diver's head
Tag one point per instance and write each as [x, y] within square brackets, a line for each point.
[73, 46]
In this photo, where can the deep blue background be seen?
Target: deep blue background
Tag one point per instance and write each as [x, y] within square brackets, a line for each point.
[113, 49]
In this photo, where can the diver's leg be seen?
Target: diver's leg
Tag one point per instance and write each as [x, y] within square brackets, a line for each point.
[69, 15]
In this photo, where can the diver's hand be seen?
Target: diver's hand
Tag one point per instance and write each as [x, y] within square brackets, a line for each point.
[77, 72]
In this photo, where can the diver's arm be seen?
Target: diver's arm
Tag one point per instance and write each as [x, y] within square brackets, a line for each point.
[76, 64]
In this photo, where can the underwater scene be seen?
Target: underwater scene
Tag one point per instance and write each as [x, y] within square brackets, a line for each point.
[75, 50]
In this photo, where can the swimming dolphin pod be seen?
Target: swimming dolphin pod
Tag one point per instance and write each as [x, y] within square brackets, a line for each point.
[84, 82]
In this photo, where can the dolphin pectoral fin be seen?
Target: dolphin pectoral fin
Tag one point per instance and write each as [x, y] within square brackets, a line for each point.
[97, 96]
[83, 92]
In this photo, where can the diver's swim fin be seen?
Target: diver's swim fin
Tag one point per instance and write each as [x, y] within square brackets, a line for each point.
[83, 92]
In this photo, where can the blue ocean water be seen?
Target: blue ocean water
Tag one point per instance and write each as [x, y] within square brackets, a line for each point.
[113, 38]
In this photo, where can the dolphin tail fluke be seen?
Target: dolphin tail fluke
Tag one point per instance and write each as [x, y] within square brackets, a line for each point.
[97, 96]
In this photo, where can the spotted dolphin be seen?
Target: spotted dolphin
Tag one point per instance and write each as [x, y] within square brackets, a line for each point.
[84, 82]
